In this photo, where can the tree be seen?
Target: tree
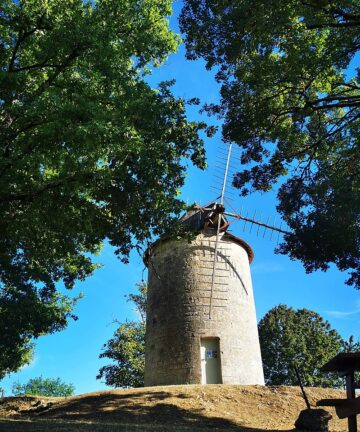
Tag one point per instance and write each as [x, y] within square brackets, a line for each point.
[290, 98]
[40, 386]
[89, 151]
[15, 354]
[299, 338]
[127, 348]
[350, 345]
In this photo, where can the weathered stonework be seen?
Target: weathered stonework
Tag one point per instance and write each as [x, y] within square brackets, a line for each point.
[179, 313]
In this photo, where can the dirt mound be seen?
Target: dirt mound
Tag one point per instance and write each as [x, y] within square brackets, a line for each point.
[213, 407]
[14, 406]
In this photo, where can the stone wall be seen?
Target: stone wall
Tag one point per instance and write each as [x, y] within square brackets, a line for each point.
[179, 312]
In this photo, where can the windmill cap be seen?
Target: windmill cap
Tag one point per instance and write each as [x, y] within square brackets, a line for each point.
[201, 219]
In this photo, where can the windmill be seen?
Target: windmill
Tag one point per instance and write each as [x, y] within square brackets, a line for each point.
[201, 319]
[218, 206]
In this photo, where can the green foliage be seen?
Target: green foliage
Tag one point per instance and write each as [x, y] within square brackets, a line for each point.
[290, 102]
[88, 150]
[350, 345]
[302, 338]
[25, 314]
[127, 348]
[43, 387]
[15, 354]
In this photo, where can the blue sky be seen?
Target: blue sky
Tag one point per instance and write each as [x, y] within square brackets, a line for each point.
[73, 354]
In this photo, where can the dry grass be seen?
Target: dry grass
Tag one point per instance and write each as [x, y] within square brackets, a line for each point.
[46, 425]
[169, 409]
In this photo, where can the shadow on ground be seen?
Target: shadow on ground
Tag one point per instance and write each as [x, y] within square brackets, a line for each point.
[114, 412]
[59, 425]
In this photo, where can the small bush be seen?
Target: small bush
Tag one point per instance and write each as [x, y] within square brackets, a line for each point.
[43, 387]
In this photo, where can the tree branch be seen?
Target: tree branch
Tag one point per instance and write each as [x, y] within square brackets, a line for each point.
[333, 11]
[30, 195]
[336, 105]
[332, 25]
[35, 66]
[21, 39]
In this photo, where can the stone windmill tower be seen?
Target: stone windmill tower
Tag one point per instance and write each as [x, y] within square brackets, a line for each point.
[201, 319]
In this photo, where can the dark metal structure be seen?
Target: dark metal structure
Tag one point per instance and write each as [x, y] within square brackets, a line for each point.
[345, 365]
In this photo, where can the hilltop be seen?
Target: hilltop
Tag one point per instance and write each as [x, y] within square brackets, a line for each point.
[169, 408]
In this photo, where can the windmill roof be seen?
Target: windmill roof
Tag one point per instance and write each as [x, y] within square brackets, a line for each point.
[200, 219]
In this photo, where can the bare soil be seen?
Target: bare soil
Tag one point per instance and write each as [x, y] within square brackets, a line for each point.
[171, 408]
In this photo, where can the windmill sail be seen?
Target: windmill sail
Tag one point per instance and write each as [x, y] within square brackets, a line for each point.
[226, 166]
[221, 208]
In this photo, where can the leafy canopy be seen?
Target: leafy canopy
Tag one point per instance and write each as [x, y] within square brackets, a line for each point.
[350, 345]
[290, 98]
[127, 348]
[25, 314]
[88, 150]
[299, 338]
[44, 387]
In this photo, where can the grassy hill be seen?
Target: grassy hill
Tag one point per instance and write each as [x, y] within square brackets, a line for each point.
[171, 408]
